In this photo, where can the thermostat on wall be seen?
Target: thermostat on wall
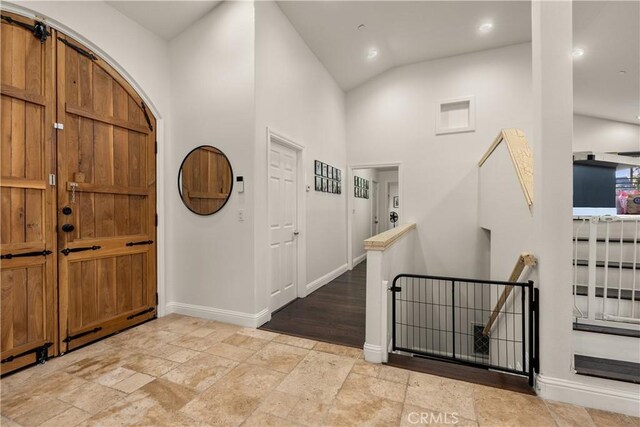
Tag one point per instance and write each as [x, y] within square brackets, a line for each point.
[240, 181]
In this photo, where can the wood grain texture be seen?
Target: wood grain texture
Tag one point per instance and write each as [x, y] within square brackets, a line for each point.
[27, 208]
[521, 156]
[109, 159]
[385, 239]
[206, 180]
[524, 260]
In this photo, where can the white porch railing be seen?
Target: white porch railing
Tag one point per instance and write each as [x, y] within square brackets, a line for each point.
[388, 254]
[606, 269]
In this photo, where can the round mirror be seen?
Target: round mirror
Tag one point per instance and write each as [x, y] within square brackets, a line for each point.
[205, 180]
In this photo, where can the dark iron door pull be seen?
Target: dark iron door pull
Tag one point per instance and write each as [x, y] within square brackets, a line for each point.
[143, 242]
[26, 254]
[67, 251]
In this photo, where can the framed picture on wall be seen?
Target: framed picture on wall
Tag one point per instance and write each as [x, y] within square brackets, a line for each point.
[324, 184]
[355, 191]
[366, 193]
[334, 187]
[318, 167]
[338, 174]
[330, 172]
[339, 188]
[396, 202]
[324, 169]
[318, 183]
[366, 184]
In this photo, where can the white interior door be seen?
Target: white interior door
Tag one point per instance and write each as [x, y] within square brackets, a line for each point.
[283, 205]
[375, 209]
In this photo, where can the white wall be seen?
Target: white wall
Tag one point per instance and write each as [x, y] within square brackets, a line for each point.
[392, 117]
[361, 214]
[297, 98]
[210, 268]
[145, 62]
[600, 135]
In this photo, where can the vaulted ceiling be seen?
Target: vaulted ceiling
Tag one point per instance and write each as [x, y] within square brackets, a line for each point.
[166, 19]
[343, 33]
[403, 32]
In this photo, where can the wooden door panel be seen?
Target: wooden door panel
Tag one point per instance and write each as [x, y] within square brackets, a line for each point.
[27, 211]
[23, 306]
[105, 288]
[107, 177]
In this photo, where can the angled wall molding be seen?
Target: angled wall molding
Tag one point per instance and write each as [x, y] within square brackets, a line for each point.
[521, 156]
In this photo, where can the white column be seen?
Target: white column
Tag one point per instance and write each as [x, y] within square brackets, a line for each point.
[553, 179]
[374, 350]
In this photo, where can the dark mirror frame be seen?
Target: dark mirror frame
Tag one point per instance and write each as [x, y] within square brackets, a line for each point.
[180, 175]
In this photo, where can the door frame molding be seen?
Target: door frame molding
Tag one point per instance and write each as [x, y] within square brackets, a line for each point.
[351, 202]
[301, 209]
[161, 137]
[375, 209]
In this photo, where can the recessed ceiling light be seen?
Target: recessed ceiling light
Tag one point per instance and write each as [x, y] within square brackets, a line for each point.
[486, 27]
[577, 52]
[361, 27]
[621, 72]
[373, 52]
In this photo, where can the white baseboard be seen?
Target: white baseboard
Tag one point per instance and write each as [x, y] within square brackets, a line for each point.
[227, 316]
[589, 395]
[373, 353]
[357, 260]
[321, 281]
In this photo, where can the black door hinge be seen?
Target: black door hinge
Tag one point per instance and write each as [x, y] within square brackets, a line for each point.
[395, 289]
[67, 251]
[26, 254]
[142, 313]
[156, 220]
[156, 298]
[39, 29]
[42, 354]
[78, 49]
[155, 149]
[82, 334]
[146, 116]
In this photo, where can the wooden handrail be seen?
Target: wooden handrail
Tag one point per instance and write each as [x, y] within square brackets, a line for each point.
[524, 260]
[381, 241]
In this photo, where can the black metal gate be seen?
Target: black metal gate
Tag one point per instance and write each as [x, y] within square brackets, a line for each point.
[481, 323]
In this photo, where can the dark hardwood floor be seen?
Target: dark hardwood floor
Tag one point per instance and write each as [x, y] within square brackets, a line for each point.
[463, 373]
[335, 313]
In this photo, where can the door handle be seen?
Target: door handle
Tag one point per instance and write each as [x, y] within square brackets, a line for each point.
[67, 228]
[296, 233]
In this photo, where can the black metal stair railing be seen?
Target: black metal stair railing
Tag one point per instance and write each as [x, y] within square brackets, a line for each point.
[445, 318]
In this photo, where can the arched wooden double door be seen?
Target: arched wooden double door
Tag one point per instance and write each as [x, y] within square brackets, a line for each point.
[77, 166]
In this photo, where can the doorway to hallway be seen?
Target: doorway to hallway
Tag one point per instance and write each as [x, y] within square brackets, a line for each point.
[335, 313]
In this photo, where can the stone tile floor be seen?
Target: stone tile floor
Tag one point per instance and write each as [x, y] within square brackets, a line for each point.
[185, 371]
